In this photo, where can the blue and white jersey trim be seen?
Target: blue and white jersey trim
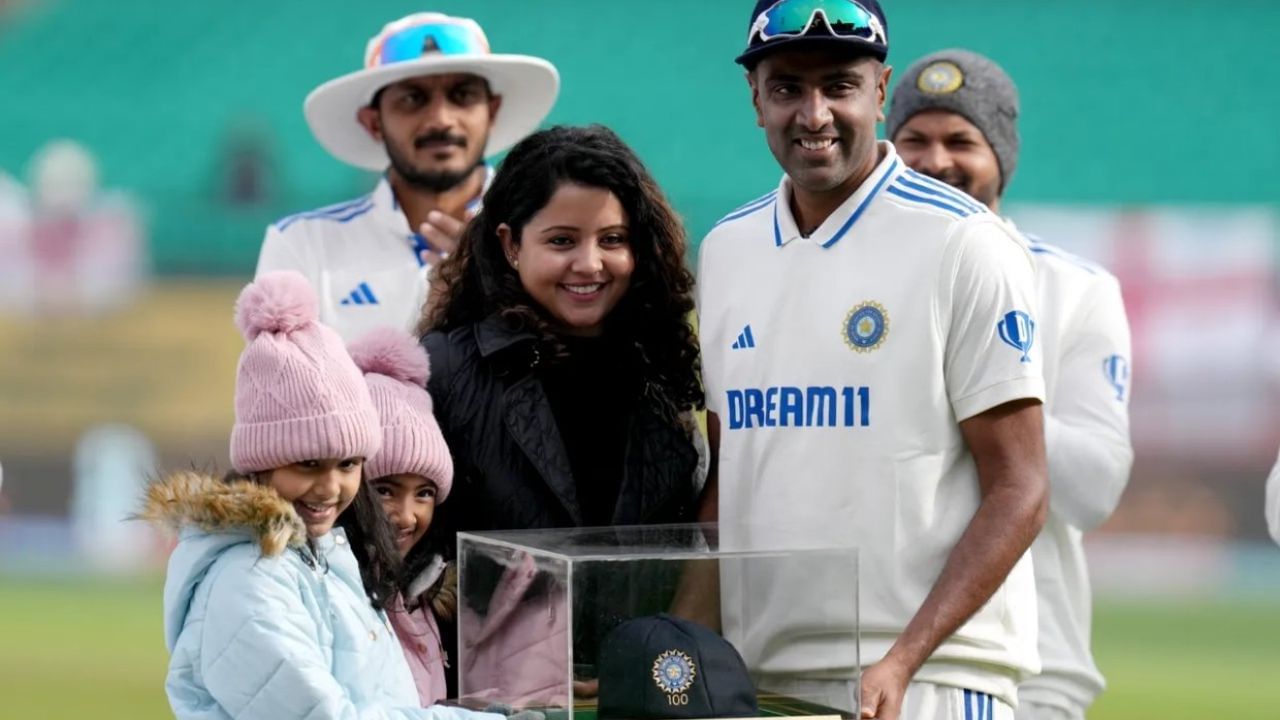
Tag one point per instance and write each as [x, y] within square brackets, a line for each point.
[898, 190]
[917, 188]
[957, 196]
[853, 216]
[862, 206]
[745, 210]
[341, 212]
[1038, 246]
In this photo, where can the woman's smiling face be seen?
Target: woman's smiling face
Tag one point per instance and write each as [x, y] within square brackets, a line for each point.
[574, 257]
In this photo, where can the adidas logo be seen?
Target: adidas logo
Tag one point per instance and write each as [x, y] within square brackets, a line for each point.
[362, 295]
[745, 340]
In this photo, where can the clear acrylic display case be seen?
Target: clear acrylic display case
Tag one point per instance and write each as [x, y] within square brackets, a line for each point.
[538, 612]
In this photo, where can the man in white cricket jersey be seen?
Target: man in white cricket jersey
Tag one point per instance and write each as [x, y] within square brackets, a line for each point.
[954, 117]
[431, 103]
[872, 367]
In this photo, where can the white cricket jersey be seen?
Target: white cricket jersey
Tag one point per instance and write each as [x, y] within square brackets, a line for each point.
[840, 366]
[1273, 501]
[360, 256]
[1087, 378]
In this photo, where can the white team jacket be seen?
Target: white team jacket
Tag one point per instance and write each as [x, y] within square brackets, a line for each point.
[1086, 415]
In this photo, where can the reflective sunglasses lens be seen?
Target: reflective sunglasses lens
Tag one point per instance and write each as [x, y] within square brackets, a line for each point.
[412, 43]
[793, 17]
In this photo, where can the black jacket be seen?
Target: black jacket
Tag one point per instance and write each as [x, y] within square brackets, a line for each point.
[511, 468]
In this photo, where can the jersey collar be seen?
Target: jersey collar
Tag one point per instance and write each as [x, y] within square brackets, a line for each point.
[388, 210]
[838, 224]
[385, 199]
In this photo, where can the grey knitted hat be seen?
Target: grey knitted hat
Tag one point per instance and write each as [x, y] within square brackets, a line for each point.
[969, 85]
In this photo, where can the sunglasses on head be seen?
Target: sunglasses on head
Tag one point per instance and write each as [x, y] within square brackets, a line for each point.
[841, 18]
[413, 42]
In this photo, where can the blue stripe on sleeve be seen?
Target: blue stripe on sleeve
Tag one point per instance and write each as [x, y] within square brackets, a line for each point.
[747, 209]
[957, 196]
[340, 212]
[934, 192]
[904, 194]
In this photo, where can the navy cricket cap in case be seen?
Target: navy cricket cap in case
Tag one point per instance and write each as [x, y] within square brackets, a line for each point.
[661, 666]
[857, 27]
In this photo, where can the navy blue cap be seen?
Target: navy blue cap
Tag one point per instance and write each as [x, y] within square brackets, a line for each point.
[817, 37]
[662, 666]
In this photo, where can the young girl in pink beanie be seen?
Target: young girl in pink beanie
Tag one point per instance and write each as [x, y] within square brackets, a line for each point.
[266, 614]
[411, 475]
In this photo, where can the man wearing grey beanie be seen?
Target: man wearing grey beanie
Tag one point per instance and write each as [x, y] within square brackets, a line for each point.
[954, 117]
[967, 104]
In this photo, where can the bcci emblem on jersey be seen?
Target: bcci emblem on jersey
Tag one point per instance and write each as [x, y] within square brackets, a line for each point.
[866, 326]
[673, 672]
[1018, 330]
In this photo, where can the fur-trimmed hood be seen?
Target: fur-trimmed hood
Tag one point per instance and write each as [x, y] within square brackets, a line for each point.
[190, 499]
[213, 518]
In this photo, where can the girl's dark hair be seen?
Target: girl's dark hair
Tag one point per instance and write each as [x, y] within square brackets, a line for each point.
[653, 316]
[443, 593]
[373, 544]
[369, 532]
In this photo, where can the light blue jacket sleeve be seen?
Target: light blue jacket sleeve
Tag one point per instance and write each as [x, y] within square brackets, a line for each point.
[262, 657]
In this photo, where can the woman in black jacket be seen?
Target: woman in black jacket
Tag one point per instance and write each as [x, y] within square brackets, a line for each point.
[564, 375]
[564, 368]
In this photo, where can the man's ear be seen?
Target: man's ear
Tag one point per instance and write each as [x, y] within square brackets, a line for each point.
[371, 120]
[882, 91]
[495, 104]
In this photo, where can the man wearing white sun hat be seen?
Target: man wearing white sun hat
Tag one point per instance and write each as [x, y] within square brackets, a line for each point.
[430, 105]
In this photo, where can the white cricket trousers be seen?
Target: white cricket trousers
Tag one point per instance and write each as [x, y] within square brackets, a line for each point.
[923, 701]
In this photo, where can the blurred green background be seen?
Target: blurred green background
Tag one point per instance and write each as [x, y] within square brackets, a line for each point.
[95, 650]
[1148, 139]
[1142, 101]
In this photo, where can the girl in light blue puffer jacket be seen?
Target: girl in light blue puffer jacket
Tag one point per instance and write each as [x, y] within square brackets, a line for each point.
[265, 612]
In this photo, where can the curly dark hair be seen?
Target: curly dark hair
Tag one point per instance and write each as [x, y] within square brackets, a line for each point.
[653, 316]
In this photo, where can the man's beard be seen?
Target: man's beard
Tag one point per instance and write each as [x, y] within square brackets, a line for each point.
[435, 181]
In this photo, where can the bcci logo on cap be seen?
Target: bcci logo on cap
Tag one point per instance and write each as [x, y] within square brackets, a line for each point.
[866, 326]
[673, 673]
[940, 78]
[1018, 330]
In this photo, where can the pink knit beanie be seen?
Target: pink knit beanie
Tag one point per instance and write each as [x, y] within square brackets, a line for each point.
[397, 369]
[298, 394]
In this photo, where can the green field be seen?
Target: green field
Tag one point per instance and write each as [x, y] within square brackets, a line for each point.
[80, 650]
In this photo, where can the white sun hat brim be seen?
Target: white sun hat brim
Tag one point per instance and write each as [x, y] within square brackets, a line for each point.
[528, 86]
